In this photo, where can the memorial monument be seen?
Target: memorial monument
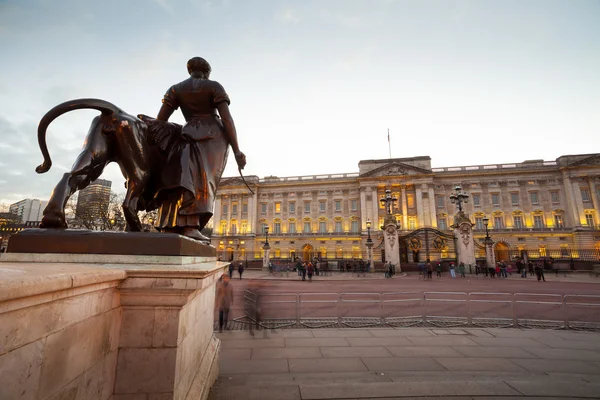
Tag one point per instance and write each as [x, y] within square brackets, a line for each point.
[145, 326]
[390, 232]
[463, 229]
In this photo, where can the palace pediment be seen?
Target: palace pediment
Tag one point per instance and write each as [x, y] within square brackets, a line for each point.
[395, 168]
[591, 160]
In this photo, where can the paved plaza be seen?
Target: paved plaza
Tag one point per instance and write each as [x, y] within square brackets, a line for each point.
[408, 363]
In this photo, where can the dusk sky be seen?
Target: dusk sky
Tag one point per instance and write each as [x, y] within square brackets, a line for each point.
[314, 84]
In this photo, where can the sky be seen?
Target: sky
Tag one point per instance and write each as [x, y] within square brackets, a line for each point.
[314, 84]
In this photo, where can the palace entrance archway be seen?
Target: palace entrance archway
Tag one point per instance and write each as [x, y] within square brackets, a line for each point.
[427, 244]
[307, 252]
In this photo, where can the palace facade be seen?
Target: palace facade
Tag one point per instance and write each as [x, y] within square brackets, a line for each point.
[535, 205]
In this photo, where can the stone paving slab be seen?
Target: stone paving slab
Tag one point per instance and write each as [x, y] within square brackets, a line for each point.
[342, 333]
[385, 389]
[252, 343]
[327, 365]
[422, 351]
[400, 332]
[568, 366]
[235, 354]
[382, 341]
[477, 364]
[316, 342]
[496, 352]
[508, 342]
[286, 352]
[339, 377]
[402, 364]
[444, 341]
[342, 352]
[256, 392]
[249, 366]
[556, 389]
[565, 354]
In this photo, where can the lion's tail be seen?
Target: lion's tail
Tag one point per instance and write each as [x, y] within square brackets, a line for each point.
[104, 106]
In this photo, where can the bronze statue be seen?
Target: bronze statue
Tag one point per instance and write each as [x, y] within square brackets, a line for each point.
[174, 168]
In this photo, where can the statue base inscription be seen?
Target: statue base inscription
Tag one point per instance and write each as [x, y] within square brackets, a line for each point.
[72, 241]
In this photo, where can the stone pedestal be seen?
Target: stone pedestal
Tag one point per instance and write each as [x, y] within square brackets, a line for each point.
[465, 243]
[490, 258]
[266, 257]
[123, 326]
[392, 246]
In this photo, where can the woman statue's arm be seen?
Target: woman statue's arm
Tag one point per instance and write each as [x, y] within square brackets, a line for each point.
[231, 133]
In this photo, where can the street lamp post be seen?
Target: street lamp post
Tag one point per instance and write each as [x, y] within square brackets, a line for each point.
[459, 197]
[369, 245]
[489, 251]
[266, 248]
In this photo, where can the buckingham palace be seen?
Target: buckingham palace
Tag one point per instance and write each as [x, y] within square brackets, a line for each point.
[536, 205]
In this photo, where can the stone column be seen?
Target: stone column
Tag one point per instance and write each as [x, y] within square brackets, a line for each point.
[266, 257]
[432, 212]
[375, 206]
[363, 209]
[252, 220]
[595, 203]
[392, 246]
[465, 243]
[578, 203]
[217, 216]
[573, 213]
[419, 204]
[404, 209]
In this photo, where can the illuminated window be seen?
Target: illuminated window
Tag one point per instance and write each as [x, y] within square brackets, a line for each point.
[518, 222]
[585, 195]
[338, 226]
[354, 226]
[277, 253]
[514, 199]
[589, 219]
[498, 222]
[223, 227]
[412, 223]
[410, 200]
[277, 208]
[224, 209]
[442, 223]
[534, 197]
[277, 228]
[558, 221]
[306, 227]
[538, 221]
[234, 208]
[322, 227]
[356, 252]
[292, 208]
[476, 199]
[338, 205]
[245, 208]
[233, 229]
[244, 227]
[323, 252]
[478, 222]
[542, 251]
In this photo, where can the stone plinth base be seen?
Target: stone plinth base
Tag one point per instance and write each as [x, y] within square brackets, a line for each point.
[107, 331]
[72, 241]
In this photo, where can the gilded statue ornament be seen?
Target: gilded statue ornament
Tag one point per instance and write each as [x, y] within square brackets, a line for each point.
[439, 243]
[415, 244]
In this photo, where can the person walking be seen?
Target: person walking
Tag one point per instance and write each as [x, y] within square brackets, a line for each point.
[530, 268]
[438, 270]
[539, 272]
[452, 271]
[461, 269]
[231, 269]
[303, 271]
[310, 270]
[224, 301]
[240, 269]
[429, 268]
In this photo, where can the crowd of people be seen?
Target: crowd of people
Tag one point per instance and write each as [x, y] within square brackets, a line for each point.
[501, 269]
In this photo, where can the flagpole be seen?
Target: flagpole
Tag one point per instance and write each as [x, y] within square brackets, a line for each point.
[389, 143]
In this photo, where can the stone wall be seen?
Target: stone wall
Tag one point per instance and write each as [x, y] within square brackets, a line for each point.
[119, 332]
[59, 332]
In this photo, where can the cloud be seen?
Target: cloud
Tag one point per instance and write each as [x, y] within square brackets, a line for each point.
[348, 21]
[288, 15]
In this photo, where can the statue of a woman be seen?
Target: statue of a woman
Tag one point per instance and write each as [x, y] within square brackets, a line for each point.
[195, 157]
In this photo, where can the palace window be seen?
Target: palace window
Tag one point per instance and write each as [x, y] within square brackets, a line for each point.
[234, 208]
[338, 205]
[292, 227]
[263, 228]
[555, 197]
[410, 200]
[244, 228]
[306, 227]
[476, 199]
[245, 208]
[518, 222]
[498, 222]
[558, 221]
[263, 208]
[233, 230]
[589, 219]
[322, 227]
[442, 224]
[534, 198]
[224, 209]
[277, 228]
[292, 208]
[353, 204]
[356, 252]
[585, 195]
[538, 221]
[223, 227]
[307, 206]
[354, 226]
[439, 201]
[514, 199]
[322, 206]
[495, 199]
[277, 208]
[412, 223]
[338, 226]
[479, 223]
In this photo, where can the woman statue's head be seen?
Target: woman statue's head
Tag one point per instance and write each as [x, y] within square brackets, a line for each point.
[198, 67]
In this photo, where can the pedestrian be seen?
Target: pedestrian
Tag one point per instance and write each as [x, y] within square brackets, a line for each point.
[539, 272]
[438, 270]
[429, 271]
[231, 269]
[224, 301]
[497, 270]
[530, 268]
[240, 269]
[310, 270]
[304, 271]
[452, 272]
[461, 269]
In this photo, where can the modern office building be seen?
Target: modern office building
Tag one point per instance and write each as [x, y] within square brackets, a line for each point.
[536, 205]
[93, 201]
[28, 210]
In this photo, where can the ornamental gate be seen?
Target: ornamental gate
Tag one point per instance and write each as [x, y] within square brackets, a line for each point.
[427, 244]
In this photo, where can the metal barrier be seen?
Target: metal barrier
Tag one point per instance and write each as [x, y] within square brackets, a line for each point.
[425, 309]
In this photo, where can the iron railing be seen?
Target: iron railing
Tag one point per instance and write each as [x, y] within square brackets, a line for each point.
[423, 309]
